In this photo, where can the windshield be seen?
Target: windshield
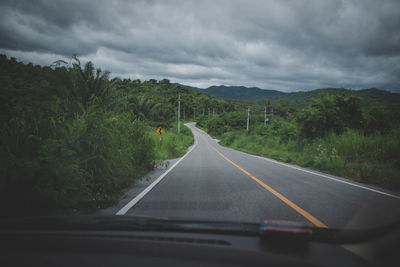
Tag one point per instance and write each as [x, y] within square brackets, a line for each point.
[214, 111]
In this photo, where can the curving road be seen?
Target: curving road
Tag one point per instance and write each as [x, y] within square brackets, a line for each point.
[212, 182]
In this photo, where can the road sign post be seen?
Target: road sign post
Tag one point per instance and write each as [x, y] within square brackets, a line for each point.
[160, 131]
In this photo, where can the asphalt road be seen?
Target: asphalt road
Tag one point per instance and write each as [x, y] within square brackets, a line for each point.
[212, 182]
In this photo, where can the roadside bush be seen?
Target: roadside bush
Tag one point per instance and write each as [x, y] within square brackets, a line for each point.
[372, 159]
[82, 161]
[172, 144]
[381, 120]
[222, 123]
[329, 114]
[72, 138]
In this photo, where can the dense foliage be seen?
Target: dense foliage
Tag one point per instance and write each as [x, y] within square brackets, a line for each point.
[72, 137]
[333, 134]
[369, 97]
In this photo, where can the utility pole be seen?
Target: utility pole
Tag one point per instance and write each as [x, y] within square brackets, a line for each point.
[265, 115]
[213, 111]
[272, 113]
[248, 119]
[179, 113]
[194, 113]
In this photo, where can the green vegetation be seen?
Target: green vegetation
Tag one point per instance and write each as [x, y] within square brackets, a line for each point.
[172, 145]
[369, 97]
[333, 134]
[72, 138]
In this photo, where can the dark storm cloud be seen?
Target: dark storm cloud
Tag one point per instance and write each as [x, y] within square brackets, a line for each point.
[284, 45]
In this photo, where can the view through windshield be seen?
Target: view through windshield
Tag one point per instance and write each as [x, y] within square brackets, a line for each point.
[234, 111]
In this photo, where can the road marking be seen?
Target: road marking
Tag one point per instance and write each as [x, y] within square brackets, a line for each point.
[304, 213]
[147, 189]
[325, 176]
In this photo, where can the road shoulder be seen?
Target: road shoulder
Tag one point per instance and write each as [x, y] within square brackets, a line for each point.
[138, 187]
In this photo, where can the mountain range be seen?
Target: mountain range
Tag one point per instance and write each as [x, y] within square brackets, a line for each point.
[241, 92]
[369, 97]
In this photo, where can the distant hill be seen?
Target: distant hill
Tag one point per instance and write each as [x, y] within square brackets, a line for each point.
[370, 97]
[188, 86]
[241, 92]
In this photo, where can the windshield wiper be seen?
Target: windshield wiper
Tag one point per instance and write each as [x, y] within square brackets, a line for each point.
[267, 230]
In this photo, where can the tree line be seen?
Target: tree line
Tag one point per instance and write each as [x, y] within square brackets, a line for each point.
[72, 137]
[334, 133]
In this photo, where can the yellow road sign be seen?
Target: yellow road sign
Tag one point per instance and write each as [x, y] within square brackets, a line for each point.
[160, 131]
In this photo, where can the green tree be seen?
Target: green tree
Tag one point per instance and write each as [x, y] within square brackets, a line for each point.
[329, 114]
[88, 82]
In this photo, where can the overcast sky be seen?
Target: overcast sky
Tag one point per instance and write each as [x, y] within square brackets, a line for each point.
[283, 45]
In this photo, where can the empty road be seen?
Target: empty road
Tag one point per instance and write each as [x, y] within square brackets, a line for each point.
[212, 182]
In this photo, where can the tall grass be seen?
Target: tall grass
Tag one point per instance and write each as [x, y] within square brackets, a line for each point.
[80, 163]
[171, 144]
[372, 159]
[71, 138]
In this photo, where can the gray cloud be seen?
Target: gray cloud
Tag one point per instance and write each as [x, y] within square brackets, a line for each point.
[284, 45]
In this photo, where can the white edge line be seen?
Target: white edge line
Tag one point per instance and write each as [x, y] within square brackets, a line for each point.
[325, 176]
[135, 200]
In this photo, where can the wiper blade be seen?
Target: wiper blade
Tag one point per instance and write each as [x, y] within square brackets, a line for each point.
[127, 223]
[268, 230]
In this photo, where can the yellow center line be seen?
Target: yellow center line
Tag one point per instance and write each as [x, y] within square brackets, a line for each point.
[304, 213]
